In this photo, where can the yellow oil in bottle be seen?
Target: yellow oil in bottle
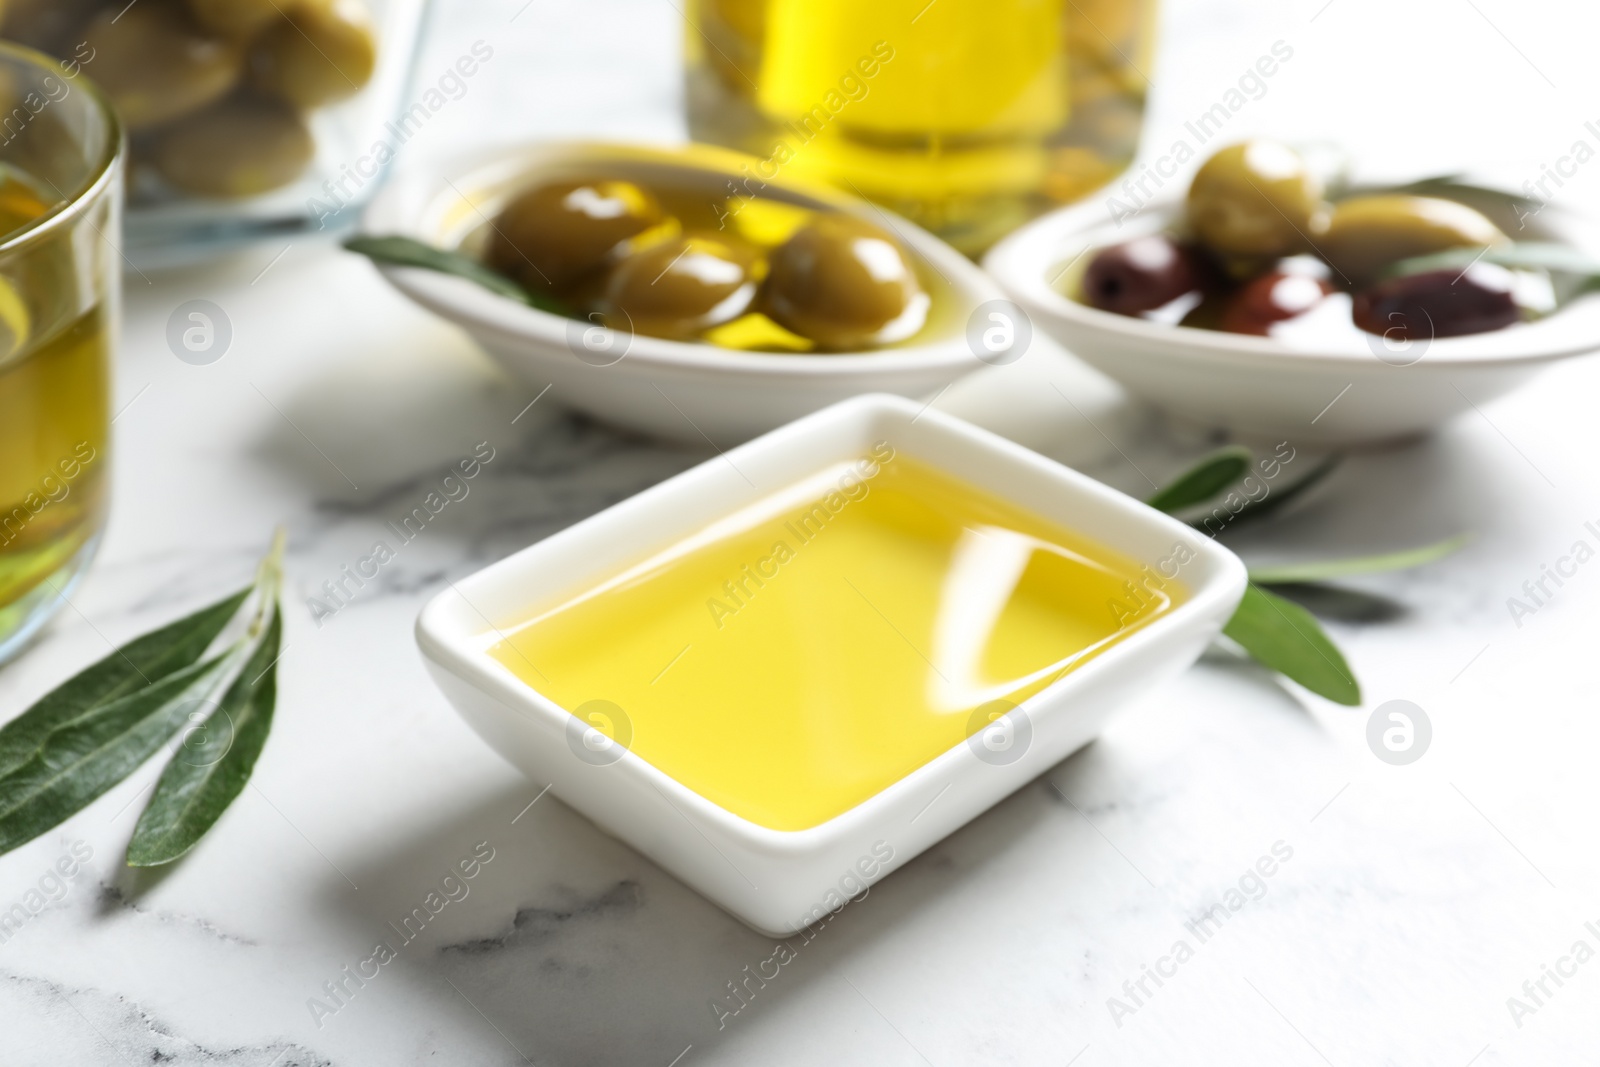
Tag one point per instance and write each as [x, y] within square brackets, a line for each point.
[967, 116]
[54, 397]
[806, 652]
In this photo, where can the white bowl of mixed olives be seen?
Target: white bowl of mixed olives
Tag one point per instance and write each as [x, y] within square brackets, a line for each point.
[669, 290]
[1271, 302]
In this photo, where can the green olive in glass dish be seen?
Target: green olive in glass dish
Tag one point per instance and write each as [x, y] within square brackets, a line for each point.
[845, 284]
[157, 64]
[240, 147]
[1368, 233]
[323, 51]
[553, 237]
[679, 288]
[1256, 200]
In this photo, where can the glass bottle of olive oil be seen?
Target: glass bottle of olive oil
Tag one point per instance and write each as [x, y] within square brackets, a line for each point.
[967, 116]
[60, 186]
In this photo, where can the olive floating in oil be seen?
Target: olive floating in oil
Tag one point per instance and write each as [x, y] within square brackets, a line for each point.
[670, 255]
[553, 236]
[678, 288]
[845, 284]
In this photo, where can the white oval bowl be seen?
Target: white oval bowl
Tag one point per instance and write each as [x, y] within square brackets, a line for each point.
[681, 390]
[1260, 387]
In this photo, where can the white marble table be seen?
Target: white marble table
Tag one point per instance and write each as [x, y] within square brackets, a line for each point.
[1416, 901]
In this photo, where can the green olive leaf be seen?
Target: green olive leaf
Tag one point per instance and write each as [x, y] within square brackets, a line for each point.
[1322, 570]
[1203, 481]
[1519, 255]
[80, 760]
[1339, 603]
[131, 667]
[408, 252]
[1284, 637]
[1451, 186]
[101, 725]
[197, 786]
[1222, 469]
[1275, 500]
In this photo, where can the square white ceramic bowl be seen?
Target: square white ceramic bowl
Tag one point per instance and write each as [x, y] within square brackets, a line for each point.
[779, 881]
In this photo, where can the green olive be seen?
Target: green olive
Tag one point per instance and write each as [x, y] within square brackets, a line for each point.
[554, 236]
[238, 18]
[240, 147]
[156, 64]
[678, 288]
[1367, 233]
[1256, 199]
[845, 284]
[322, 52]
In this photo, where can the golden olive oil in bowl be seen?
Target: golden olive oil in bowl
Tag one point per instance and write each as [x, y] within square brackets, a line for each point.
[810, 650]
[966, 116]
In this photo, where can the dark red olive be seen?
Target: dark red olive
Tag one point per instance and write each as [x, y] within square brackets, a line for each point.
[1140, 275]
[1271, 298]
[1438, 303]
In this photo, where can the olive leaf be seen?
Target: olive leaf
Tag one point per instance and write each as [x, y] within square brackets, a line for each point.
[1203, 481]
[409, 252]
[1223, 469]
[1452, 186]
[1277, 633]
[1274, 629]
[136, 665]
[79, 760]
[197, 788]
[97, 728]
[1339, 603]
[1282, 636]
[1261, 507]
[1302, 573]
[1519, 255]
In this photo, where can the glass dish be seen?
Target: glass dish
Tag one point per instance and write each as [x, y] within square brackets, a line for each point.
[60, 282]
[186, 91]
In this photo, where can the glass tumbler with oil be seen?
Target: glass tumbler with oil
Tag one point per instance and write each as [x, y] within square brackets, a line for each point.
[60, 277]
[967, 116]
